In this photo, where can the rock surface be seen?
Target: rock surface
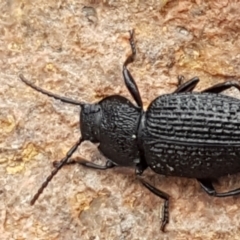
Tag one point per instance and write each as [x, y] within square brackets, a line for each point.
[76, 49]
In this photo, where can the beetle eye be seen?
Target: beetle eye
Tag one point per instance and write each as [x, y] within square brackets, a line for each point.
[91, 108]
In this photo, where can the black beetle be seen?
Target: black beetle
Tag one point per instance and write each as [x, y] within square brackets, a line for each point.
[185, 133]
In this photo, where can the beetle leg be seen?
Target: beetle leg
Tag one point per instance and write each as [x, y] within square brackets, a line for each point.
[164, 196]
[210, 190]
[220, 87]
[181, 80]
[165, 211]
[129, 81]
[86, 163]
[187, 86]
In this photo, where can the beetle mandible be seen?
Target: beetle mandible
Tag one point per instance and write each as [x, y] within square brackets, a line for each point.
[186, 134]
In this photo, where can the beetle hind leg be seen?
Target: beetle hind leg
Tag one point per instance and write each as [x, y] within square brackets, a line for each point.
[220, 87]
[207, 186]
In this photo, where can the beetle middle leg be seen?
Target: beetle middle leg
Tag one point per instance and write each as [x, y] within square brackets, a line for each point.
[187, 86]
[164, 196]
[165, 211]
[207, 186]
[87, 163]
[220, 87]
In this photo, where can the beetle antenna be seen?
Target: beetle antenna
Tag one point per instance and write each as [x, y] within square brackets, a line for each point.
[63, 99]
[131, 58]
[55, 171]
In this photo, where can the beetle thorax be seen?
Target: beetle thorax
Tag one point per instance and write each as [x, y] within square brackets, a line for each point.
[90, 119]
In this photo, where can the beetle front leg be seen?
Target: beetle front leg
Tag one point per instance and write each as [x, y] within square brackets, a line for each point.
[87, 163]
[220, 87]
[187, 86]
[129, 81]
[210, 190]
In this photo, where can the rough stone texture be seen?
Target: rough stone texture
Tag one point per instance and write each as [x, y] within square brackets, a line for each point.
[76, 48]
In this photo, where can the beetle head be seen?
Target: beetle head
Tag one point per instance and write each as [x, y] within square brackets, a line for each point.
[90, 119]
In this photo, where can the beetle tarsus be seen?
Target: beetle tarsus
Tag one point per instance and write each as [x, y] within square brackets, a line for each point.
[165, 215]
[131, 58]
[181, 80]
[128, 79]
[210, 190]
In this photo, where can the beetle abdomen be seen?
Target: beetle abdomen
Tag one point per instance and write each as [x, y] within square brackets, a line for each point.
[191, 134]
